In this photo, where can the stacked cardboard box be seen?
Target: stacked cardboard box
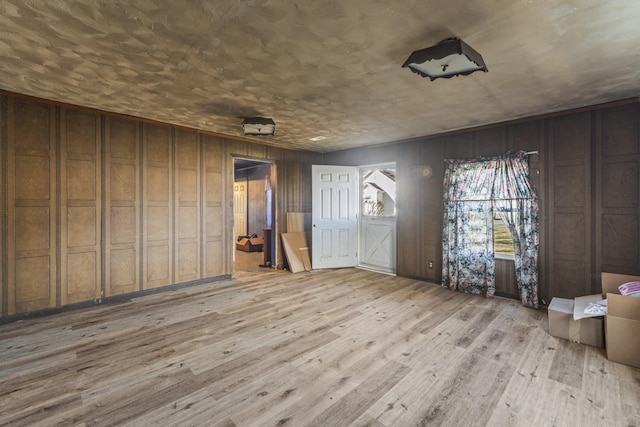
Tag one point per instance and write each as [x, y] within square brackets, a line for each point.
[620, 326]
[622, 322]
[250, 244]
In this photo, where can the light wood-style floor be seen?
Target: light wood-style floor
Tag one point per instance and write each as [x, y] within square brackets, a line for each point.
[249, 261]
[327, 348]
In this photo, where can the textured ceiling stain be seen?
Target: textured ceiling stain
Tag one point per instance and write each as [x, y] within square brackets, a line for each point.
[322, 68]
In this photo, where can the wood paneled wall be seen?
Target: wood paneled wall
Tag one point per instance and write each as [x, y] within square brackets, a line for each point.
[586, 175]
[187, 206]
[157, 213]
[122, 188]
[617, 191]
[80, 206]
[97, 205]
[4, 192]
[569, 220]
[32, 207]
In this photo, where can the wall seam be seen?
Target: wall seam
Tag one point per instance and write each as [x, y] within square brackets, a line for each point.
[141, 269]
[58, 143]
[5, 199]
[103, 204]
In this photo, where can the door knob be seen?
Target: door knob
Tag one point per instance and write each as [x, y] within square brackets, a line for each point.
[314, 225]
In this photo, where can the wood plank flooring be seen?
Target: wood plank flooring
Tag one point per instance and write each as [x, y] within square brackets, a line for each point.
[341, 347]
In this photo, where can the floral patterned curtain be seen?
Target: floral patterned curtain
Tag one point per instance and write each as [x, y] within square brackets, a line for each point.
[475, 191]
[467, 254]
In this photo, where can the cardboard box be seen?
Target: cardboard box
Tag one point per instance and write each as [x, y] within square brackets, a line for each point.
[581, 303]
[253, 244]
[622, 323]
[588, 330]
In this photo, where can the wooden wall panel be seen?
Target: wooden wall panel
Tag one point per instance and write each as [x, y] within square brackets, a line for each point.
[187, 206]
[619, 240]
[617, 191]
[411, 204]
[458, 146]
[618, 131]
[304, 195]
[278, 213]
[80, 199]
[256, 151]
[216, 249]
[529, 136]
[433, 213]
[4, 249]
[121, 235]
[291, 168]
[506, 284]
[568, 278]
[31, 210]
[408, 199]
[490, 142]
[621, 176]
[157, 208]
[570, 238]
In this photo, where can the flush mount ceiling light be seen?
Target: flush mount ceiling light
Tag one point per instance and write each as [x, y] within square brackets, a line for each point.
[258, 126]
[451, 57]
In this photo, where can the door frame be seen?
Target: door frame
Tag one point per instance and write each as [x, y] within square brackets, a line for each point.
[274, 211]
[360, 218]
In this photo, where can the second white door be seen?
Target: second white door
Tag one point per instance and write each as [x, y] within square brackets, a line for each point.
[334, 216]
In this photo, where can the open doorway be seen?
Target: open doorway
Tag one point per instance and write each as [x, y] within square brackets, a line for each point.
[254, 214]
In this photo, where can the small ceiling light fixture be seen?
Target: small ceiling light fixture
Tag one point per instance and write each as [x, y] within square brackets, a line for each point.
[451, 57]
[258, 126]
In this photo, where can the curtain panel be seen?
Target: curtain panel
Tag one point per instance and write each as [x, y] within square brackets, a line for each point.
[475, 191]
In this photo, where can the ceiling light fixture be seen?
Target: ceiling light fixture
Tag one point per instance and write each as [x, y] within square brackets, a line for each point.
[451, 57]
[258, 126]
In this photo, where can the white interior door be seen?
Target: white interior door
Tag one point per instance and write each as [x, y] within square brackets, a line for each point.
[334, 216]
[240, 208]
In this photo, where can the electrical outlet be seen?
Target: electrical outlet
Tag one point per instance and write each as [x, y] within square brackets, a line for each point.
[430, 264]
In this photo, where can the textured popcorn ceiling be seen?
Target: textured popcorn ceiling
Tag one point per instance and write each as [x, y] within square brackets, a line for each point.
[319, 67]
